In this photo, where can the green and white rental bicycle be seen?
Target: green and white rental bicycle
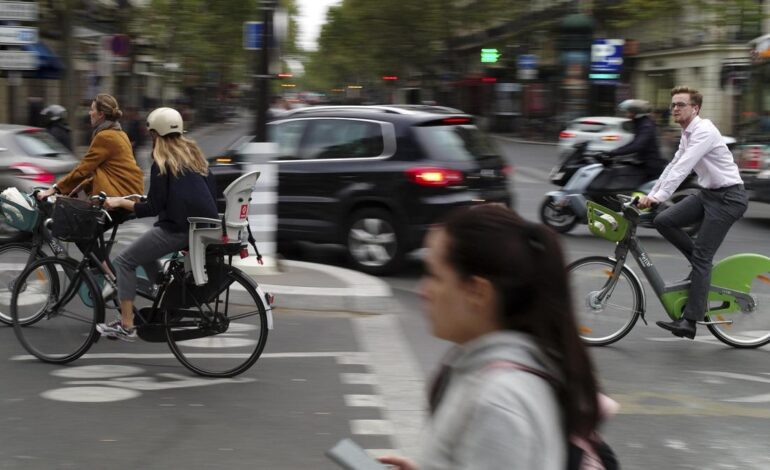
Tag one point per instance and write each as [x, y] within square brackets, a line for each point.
[609, 297]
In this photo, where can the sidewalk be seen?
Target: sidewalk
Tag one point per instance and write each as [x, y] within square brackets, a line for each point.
[299, 285]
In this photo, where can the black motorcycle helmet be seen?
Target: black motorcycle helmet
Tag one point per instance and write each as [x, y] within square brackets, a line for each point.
[54, 113]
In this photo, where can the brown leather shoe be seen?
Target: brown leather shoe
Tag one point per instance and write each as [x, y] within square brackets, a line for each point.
[683, 327]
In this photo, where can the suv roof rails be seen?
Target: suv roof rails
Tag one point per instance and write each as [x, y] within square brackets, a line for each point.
[391, 109]
[310, 109]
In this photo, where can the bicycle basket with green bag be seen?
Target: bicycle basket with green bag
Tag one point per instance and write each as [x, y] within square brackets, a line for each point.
[18, 210]
[606, 223]
[75, 220]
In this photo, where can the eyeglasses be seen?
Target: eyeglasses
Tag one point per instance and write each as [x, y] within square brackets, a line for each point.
[680, 105]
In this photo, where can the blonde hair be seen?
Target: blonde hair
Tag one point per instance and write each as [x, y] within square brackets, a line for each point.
[178, 154]
[108, 105]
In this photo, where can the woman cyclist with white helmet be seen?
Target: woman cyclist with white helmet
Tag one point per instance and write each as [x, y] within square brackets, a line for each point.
[181, 186]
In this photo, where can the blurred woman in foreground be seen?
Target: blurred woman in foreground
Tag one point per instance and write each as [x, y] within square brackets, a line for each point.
[519, 381]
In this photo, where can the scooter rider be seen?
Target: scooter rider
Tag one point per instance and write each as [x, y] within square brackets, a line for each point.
[645, 143]
[55, 123]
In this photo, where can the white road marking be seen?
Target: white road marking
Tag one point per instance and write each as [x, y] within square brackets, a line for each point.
[358, 379]
[401, 382]
[97, 372]
[374, 401]
[90, 394]
[287, 355]
[371, 427]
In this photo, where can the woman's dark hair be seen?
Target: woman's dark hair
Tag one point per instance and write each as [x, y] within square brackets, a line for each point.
[109, 106]
[524, 262]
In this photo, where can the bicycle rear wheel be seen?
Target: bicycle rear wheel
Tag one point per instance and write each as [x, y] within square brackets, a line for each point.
[62, 335]
[604, 313]
[748, 329]
[225, 336]
[13, 259]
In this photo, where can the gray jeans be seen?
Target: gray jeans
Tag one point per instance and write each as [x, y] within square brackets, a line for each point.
[717, 210]
[143, 252]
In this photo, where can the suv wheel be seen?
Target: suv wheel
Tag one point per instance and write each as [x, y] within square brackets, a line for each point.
[373, 243]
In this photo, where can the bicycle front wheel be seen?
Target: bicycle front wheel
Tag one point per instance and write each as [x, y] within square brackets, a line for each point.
[13, 259]
[226, 335]
[604, 312]
[61, 333]
[747, 329]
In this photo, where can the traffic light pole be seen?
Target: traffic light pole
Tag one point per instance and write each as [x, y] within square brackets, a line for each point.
[262, 80]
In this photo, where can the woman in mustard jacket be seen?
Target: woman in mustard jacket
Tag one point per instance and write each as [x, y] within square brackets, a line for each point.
[109, 164]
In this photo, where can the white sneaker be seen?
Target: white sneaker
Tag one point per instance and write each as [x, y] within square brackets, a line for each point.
[115, 330]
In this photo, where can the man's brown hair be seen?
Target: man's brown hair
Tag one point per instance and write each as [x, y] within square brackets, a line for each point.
[695, 95]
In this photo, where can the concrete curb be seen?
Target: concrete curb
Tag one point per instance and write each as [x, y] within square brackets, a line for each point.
[362, 293]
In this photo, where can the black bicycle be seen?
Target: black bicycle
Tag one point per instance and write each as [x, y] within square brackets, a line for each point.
[218, 329]
[33, 238]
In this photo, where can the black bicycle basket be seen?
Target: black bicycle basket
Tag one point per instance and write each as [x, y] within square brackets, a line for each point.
[75, 220]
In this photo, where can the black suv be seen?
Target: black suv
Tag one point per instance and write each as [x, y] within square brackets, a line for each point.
[374, 178]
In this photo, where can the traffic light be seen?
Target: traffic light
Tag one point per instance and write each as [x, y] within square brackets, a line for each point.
[490, 55]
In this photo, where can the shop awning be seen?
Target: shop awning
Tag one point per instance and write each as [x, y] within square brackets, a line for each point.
[49, 64]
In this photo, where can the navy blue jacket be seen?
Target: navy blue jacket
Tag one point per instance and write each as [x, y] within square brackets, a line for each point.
[174, 199]
[645, 146]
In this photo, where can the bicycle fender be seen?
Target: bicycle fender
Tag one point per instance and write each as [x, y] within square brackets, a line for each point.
[268, 307]
[738, 271]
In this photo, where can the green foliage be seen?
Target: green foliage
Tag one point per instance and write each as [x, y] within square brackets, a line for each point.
[206, 36]
[364, 40]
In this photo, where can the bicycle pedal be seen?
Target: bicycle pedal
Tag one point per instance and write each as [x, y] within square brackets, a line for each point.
[715, 322]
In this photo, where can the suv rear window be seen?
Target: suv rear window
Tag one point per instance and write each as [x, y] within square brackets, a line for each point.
[40, 144]
[287, 135]
[588, 126]
[454, 143]
[342, 138]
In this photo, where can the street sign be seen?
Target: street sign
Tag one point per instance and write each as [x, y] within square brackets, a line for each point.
[607, 56]
[527, 61]
[18, 60]
[252, 35]
[18, 11]
[17, 35]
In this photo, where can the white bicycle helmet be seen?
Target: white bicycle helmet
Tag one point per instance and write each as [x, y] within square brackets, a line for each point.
[635, 107]
[165, 121]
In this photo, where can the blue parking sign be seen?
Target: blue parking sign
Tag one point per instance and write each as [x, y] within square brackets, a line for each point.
[252, 35]
[607, 55]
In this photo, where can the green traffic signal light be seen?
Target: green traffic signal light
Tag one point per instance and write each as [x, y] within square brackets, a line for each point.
[490, 55]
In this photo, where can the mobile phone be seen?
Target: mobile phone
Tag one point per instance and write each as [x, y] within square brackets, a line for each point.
[350, 456]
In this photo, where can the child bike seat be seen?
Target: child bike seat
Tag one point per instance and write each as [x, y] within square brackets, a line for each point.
[227, 230]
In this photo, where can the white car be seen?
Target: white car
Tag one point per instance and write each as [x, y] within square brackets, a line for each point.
[603, 133]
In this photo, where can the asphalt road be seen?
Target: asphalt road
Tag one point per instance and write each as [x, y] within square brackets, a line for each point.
[325, 376]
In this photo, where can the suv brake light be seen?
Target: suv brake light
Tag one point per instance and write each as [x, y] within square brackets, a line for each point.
[566, 135]
[434, 176]
[34, 173]
[456, 120]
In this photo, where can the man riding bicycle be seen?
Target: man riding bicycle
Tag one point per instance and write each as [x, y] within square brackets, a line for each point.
[719, 205]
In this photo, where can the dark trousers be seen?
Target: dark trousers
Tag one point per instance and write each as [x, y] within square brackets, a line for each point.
[718, 210]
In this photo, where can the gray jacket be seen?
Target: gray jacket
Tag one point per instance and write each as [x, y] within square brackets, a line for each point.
[497, 417]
